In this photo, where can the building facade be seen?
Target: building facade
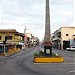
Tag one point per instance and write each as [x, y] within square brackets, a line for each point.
[35, 41]
[31, 40]
[63, 37]
[11, 36]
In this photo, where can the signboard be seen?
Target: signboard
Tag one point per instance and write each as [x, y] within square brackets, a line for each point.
[48, 51]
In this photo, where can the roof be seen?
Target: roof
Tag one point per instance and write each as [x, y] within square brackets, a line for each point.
[11, 31]
[62, 27]
[68, 26]
[8, 30]
[21, 34]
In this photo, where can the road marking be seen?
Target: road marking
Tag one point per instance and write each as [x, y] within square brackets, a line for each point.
[42, 48]
[71, 71]
[34, 50]
[68, 62]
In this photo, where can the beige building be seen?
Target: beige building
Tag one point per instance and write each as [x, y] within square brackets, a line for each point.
[28, 37]
[64, 37]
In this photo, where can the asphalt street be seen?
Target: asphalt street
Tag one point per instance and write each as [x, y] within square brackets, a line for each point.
[22, 64]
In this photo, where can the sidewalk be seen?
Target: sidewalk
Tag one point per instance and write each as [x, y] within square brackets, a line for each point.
[2, 57]
[10, 53]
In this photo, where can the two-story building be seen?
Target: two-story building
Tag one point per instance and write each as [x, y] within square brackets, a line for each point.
[11, 36]
[63, 37]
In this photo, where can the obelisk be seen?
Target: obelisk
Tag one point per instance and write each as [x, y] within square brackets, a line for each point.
[47, 37]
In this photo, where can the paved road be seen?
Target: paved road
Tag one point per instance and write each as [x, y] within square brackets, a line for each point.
[22, 64]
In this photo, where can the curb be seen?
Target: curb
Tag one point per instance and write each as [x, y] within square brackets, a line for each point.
[12, 54]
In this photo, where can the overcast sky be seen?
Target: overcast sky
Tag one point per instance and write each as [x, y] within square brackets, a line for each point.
[16, 14]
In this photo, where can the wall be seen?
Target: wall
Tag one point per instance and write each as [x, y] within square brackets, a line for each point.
[72, 42]
[15, 39]
[69, 31]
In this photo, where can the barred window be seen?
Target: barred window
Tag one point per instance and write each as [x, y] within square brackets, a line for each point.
[9, 37]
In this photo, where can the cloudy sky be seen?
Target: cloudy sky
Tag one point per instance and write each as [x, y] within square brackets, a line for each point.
[16, 14]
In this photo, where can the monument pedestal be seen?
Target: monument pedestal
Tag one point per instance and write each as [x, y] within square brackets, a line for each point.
[47, 49]
[48, 59]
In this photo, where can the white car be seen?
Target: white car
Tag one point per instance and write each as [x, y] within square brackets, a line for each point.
[71, 49]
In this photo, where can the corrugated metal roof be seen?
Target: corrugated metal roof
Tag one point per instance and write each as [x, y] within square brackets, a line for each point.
[8, 30]
[11, 31]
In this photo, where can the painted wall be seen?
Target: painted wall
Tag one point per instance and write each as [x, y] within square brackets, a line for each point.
[15, 38]
[69, 31]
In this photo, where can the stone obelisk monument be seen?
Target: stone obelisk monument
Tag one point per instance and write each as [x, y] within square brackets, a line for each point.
[47, 37]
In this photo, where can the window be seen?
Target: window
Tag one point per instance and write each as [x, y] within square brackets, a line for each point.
[66, 34]
[74, 35]
[0, 37]
[8, 37]
[28, 38]
[59, 34]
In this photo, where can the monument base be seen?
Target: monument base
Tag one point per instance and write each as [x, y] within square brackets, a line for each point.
[48, 59]
[47, 49]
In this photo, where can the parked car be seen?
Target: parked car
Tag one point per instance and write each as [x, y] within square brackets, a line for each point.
[72, 48]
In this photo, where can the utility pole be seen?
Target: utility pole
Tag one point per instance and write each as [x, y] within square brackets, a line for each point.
[4, 42]
[25, 30]
[25, 36]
